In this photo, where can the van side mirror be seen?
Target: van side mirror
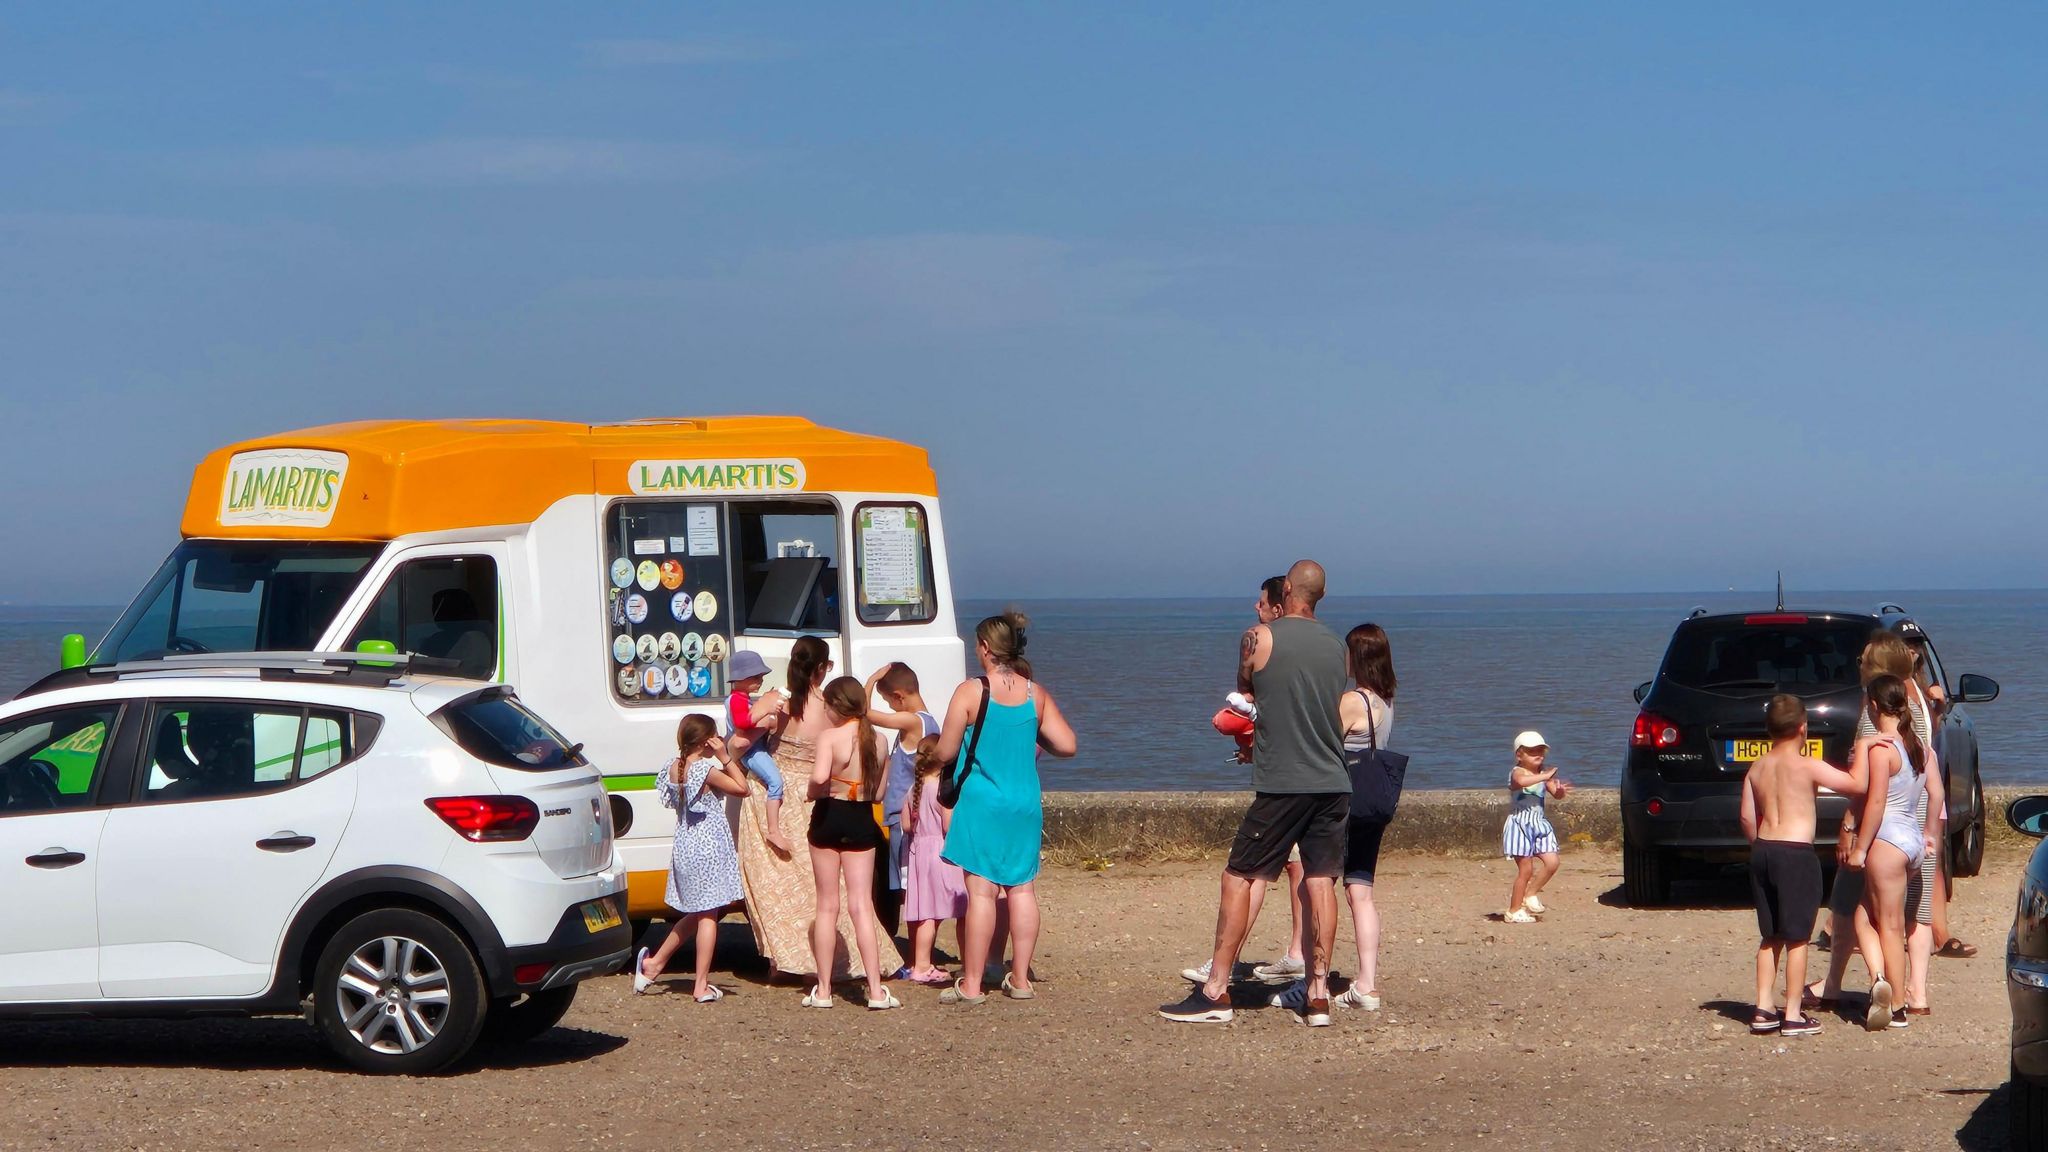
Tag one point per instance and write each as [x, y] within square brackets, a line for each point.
[2028, 814]
[1975, 689]
[71, 651]
[1643, 690]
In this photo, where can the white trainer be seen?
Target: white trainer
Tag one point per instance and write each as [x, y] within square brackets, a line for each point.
[1198, 975]
[1356, 997]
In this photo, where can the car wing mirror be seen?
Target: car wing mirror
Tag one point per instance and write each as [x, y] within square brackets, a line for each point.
[2028, 814]
[1975, 689]
[1643, 690]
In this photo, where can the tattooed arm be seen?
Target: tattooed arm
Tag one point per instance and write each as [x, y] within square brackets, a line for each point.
[1251, 655]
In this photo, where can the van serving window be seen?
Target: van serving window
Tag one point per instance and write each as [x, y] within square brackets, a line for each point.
[786, 566]
[668, 603]
[892, 564]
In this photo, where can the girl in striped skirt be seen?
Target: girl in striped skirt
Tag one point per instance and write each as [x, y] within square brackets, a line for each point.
[1527, 837]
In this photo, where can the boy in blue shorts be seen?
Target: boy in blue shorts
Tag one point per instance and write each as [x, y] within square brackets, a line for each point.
[751, 722]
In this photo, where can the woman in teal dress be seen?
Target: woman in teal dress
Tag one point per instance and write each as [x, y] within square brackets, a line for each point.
[999, 820]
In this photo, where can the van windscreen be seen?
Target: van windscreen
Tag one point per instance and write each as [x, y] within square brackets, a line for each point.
[238, 596]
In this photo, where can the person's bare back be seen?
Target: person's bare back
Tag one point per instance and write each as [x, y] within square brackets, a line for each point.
[1778, 790]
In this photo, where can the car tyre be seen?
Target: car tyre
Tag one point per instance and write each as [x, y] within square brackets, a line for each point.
[398, 992]
[1645, 876]
[515, 1021]
[2027, 1112]
[1968, 859]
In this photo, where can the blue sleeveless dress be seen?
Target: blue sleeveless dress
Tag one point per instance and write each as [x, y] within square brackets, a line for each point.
[1000, 820]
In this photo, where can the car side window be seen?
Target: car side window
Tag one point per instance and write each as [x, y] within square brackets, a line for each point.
[50, 760]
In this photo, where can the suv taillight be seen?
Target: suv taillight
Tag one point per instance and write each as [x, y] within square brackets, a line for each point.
[488, 818]
[1653, 731]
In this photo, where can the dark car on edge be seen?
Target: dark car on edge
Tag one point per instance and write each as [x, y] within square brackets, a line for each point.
[1702, 723]
[2026, 982]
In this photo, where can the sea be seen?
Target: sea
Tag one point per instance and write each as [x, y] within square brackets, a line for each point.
[1140, 679]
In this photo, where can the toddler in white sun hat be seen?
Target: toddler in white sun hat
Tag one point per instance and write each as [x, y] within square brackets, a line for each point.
[1527, 838]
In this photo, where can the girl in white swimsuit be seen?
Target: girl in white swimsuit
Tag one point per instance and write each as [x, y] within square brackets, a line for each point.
[1889, 840]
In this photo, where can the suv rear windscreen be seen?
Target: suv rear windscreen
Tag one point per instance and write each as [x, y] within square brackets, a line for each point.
[1734, 656]
[496, 728]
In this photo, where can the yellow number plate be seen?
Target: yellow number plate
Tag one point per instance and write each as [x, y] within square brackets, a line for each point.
[599, 915]
[1744, 751]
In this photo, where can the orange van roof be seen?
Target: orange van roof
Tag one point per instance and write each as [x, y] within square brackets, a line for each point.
[378, 479]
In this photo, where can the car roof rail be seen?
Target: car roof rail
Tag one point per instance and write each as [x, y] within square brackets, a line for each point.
[1698, 611]
[376, 669]
[1887, 608]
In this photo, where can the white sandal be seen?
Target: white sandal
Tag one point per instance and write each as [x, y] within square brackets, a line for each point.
[887, 1002]
[712, 996]
[813, 1000]
[643, 984]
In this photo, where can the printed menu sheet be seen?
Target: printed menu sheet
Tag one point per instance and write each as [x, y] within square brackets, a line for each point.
[891, 557]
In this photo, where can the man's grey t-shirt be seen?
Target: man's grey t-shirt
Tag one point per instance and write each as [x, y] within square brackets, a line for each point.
[1298, 744]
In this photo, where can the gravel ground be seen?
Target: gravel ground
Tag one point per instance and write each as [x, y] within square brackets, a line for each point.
[1600, 1027]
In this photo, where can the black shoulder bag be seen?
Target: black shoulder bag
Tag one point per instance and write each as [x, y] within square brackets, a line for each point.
[1376, 775]
[956, 773]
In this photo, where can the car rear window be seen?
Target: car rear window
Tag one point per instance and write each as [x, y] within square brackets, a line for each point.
[496, 728]
[1733, 655]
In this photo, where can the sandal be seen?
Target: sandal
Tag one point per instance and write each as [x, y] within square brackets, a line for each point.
[1016, 993]
[813, 1000]
[887, 1002]
[643, 984]
[934, 978]
[712, 995]
[1955, 949]
[954, 995]
[1762, 1022]
[1808, 1002]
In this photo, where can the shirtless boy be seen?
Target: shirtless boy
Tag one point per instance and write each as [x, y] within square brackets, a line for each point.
[1784, 872]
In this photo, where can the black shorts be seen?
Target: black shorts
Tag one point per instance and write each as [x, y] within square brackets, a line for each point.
[1277, 822]
[1784, 877]
[844, 825]
[1362, 850]
[1848, 891]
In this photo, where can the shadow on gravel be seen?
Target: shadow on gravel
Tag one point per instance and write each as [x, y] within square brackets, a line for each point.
[1712, 887]
[249, 1046]
[1730, 1009]
[1988, 1126]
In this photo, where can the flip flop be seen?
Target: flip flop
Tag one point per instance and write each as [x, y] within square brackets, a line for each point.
[954, 995]
[1955, 949]
[712, 996]
[644, 985]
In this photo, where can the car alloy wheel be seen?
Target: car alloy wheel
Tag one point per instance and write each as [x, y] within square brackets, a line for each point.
[393, 995]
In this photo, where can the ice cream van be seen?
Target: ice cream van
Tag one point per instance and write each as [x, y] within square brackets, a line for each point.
[608, 571]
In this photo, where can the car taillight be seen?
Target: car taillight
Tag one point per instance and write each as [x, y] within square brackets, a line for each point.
[488, 818]
[1653, 731]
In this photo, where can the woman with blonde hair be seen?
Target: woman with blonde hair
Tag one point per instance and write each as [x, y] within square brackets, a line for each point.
[1003, 718]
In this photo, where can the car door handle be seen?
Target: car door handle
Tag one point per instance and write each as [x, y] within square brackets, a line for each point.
[56, 858]
[284, 842]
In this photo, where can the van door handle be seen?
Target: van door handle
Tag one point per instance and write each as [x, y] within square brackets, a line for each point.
[284, 842]
[56, 858]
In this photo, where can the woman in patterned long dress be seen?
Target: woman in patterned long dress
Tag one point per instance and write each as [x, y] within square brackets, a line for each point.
[703, 871]
[781, 891]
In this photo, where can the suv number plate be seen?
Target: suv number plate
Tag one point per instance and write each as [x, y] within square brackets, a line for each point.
[1745, 751]
[599, 915]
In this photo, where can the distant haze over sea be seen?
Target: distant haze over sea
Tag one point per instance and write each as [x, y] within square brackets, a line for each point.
[1140, 678]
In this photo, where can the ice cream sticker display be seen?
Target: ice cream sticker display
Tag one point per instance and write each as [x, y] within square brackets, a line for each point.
[650, 575]
[715, 648]
[693, 648]
[700, 681]
[678, 680]
[622, 572]
[653, 680]
[622, 648]
[670, 635]
[636, 608]
[629, 681]
[681, 607]
[706, 606]
[671, 573]
[670, 648]
[649, 648]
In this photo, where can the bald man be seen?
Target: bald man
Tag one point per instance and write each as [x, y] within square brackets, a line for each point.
[1293, 667]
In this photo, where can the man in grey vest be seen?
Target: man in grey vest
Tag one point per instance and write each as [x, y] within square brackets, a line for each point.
[1293, 668]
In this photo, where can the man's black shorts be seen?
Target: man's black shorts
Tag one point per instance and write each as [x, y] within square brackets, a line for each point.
[1784, 877]
[1277, 822]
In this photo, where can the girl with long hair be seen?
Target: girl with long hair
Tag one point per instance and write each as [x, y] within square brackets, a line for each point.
[704, 871]
[1890, 839]
[851, 768]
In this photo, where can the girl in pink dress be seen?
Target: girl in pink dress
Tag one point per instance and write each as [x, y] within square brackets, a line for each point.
[933, 889]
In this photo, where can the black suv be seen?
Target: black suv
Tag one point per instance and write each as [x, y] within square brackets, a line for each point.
[1702, 723]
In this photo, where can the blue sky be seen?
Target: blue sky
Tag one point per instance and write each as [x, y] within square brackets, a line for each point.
[1484, 298]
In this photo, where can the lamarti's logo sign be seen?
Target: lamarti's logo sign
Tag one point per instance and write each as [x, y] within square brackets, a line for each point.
[287, 487]
[714, 477]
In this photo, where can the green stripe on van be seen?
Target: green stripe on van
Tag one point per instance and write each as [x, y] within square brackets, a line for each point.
[629, 783]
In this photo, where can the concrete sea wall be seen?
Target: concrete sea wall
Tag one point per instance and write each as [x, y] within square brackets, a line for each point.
[1094, 826]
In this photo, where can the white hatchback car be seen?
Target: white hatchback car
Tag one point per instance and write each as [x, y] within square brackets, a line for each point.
[413, 862]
